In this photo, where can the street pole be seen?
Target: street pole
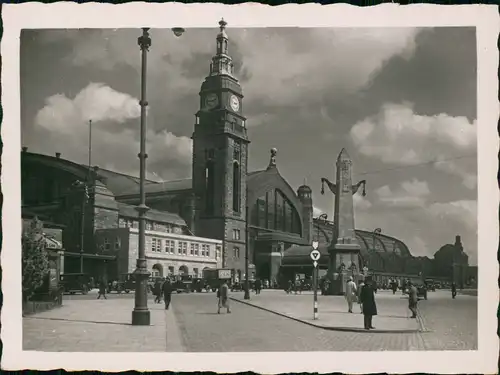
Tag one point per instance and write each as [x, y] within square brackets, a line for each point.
[315, 286]
[315, 255]
[140, 314]
[247, 285]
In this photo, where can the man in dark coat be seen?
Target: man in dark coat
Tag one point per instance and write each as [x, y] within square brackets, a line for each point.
[167, 292]
[157, 290]
[102, 290]
[367, 298]
[258, 286]
[453, 290]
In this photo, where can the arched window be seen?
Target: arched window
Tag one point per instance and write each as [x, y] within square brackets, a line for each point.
[274, 211]
[210, 183]
[236, 187]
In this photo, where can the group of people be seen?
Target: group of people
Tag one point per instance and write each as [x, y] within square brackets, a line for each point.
[364, 294]
[163, 288]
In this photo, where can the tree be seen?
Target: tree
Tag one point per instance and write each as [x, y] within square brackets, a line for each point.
[35, 263]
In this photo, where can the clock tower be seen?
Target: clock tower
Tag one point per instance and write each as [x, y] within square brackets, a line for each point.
[220, 155]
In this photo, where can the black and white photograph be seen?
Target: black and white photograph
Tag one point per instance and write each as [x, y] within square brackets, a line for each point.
[181, 181]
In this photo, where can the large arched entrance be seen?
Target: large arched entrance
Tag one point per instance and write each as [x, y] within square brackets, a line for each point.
[183, 270]
[157, 270]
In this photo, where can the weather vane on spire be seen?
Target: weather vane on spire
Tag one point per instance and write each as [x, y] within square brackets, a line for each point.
[222, 24]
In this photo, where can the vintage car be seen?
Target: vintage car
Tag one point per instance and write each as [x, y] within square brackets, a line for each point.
[75, 283]
[125, 283]
[183, 284]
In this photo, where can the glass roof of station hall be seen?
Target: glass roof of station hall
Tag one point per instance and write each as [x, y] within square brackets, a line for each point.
[369, 241]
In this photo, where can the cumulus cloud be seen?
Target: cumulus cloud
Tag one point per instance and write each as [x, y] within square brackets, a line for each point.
[409, 194]
[96, 102]
[463, 212]
[415, 139]
[355, 55]
[65, 122]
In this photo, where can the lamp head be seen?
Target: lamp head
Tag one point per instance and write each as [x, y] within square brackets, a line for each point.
[178, 31]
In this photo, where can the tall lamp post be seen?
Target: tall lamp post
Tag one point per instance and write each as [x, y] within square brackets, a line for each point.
[141, 315]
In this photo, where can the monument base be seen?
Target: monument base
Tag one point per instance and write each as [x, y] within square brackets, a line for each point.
[344, 263]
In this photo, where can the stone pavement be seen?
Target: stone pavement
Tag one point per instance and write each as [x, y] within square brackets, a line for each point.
[248, 329]
[101, 326]
[393, 314]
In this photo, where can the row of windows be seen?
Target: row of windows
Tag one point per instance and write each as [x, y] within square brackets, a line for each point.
[274, 211]
[116, 245]
[159, 245]
[150, 225]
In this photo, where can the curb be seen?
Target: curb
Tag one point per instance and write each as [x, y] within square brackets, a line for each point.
[330, 328]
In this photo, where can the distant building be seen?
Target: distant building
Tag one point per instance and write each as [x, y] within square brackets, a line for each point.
[167, 253]
[451, 262]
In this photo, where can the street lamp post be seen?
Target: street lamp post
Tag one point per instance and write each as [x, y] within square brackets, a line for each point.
[321, 217]
[140, 314]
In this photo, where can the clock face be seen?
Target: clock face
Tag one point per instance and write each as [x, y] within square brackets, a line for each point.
[211, 101]
[234, 102]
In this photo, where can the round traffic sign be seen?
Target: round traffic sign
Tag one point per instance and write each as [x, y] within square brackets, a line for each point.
[315, 255]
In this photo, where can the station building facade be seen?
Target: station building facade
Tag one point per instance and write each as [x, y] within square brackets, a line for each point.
[223, 206]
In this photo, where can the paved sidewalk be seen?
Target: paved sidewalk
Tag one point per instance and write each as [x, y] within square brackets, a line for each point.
[393, 313]
[101, 325]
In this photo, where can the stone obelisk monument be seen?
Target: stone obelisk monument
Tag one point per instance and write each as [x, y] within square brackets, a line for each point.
[344, 248]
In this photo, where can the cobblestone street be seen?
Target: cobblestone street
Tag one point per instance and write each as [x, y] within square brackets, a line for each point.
[194, 325]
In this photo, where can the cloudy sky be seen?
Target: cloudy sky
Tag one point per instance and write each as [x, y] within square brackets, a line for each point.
[402, 101]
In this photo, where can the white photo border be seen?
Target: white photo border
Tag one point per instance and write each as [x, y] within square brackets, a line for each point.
[136, 15]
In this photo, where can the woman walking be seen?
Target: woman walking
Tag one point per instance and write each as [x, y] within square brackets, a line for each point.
[223, 296]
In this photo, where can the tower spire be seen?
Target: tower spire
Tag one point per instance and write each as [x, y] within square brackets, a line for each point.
[222, 63]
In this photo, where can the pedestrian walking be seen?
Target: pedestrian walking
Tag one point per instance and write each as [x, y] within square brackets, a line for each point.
[223, 297]
[367, 297]
[350, 293]
[394, 286]
[453, 290]
[289, 287]
[412, 299]
[360, 288]
[157, 290]
[167, 288]
[258, 286]
[102, 290]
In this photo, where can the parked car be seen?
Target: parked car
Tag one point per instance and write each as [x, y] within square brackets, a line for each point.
[75, 283]
[183, 284]
[430, 285]
[125, 283]
[198, 285]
